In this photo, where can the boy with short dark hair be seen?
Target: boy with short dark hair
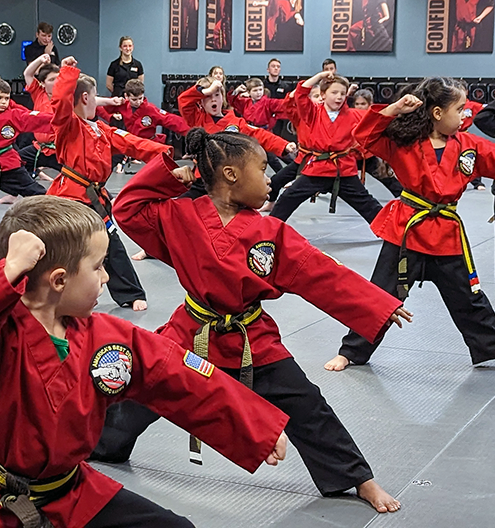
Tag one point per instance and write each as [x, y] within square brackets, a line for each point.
[142, 117]
[329, 65]
[14, 120]
[329, 164]
[63, 366]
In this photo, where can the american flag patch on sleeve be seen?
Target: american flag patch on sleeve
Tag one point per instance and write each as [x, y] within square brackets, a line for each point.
[120, 132]
[198, 364]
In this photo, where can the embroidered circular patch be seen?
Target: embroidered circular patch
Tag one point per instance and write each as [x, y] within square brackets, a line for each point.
[146, 121]
[111, 368]
[232, 128]
[261, 258]
[467, 159]
[7, 132]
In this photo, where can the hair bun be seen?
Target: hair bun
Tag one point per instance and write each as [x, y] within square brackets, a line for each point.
[196, 140]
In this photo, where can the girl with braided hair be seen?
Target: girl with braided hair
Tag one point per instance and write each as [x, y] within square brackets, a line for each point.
[424, 237]
[229, 258]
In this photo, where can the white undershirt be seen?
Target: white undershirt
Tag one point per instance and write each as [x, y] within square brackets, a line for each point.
[333, 114]
[94, 126]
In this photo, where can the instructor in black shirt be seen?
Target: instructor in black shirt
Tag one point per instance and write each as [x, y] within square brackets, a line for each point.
[42, 44]
[124, 68]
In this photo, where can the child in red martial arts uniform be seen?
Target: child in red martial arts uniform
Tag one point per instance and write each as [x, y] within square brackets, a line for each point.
[85, 150]
[14, 120]
[203, 106]
[329, 163]
[240, 258]
[62, 366]
[424, 237]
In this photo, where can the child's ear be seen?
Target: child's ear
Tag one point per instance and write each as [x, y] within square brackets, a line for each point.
[57, 279]
[437, 113]
[229, 173]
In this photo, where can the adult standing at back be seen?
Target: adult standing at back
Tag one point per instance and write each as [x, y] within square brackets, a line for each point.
[278, 88]
[43, 44]
[123, 69]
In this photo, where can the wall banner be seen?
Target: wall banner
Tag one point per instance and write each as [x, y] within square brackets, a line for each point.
[183, 24]
[218, 25]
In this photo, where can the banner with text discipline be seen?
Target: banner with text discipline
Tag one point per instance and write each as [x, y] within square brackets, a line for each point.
[274, 25]
[183, 24]
[362, 25]
[218, 25]
[459, 26]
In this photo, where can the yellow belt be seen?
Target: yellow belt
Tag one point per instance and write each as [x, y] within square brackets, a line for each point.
[211, 320]
[23, 497]
[427, 208]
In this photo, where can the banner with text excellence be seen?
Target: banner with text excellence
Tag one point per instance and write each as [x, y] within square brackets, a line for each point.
[274, 25]
[362, 25]
[183, 24]
[218, 25]
[459, 26]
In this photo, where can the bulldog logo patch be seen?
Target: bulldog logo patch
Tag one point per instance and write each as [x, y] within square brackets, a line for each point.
[261, 258]
[468, 112]
[232, 128]
[111, 368]
[146, 121]
[467, 160]
[8, 132]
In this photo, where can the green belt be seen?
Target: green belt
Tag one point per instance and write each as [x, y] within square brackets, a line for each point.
[310, 156]
[23, 496]
[212, 320]
[6, 149]
[50, 145]
[427, 208]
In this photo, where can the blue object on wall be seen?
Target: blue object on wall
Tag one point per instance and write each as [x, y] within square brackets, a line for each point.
[25, 44]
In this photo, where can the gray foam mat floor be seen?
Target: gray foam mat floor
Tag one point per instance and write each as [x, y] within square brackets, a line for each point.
[421, 414]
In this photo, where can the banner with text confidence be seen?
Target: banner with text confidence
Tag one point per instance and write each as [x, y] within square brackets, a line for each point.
[459, 26]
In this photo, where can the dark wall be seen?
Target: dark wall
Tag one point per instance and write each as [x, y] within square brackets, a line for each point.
[24, 15]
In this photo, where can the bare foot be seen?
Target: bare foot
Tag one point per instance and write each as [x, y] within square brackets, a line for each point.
[8, 199]
[480, 188]
[337, 363]
[139, 305]
[371, 492]
[267, 208]
[44, 176]
[119, 169]
[140, 255]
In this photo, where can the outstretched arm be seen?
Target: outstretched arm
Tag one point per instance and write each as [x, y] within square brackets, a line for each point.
[34, 66]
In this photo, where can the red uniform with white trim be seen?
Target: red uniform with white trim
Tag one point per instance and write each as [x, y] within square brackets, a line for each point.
[263, 113]
[471, 109]
[14, 121]
[41, 103]
[53, 411]
[81, 148]
[195, 116]
[466, 157]
[302, 129]
[230, 267]
[142, 121]
[328, 136]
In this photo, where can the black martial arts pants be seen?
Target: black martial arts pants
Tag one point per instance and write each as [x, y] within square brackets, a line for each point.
[471, 312]
[274, 162]
[352, 191]
[390, 182]
[123, 283]
[328, 450]
[19, 181]
[129, 510]
[28, 156]
[281, 179]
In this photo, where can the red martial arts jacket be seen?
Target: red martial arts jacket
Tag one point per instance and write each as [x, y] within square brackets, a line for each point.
[302, 129]
[81, 149]
[328, 136]
[14, 121]
[465, 157]
[142, 121]
[230, 267]
[471, 109]
[42, 104]
[263, 113]
[196, 117]
[53, 412]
